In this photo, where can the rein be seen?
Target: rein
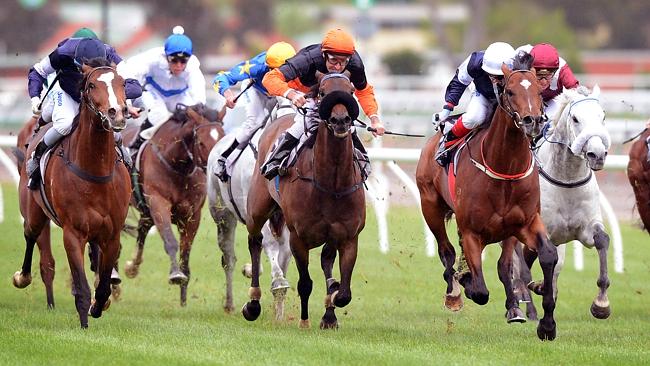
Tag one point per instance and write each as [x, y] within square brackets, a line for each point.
[500, 176]
[516, 118]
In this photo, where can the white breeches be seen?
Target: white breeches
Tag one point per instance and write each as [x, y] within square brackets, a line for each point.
[258, 106]
[159, 108]
[60, 108]
[478, 110]
[297, 129]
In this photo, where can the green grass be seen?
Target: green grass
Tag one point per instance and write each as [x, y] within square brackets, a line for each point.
[396, 315]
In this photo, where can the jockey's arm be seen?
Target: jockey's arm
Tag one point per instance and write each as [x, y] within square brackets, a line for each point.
[566, 78]
[460, 81]
[37, 76]
[196, 84]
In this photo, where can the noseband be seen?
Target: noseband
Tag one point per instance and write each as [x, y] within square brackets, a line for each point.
[106, 121]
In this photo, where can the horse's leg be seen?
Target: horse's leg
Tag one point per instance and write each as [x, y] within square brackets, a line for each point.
[161, 215]
[106, 263]
[474, 283]
[434, 214]
[46, 264]
[301, 256]
[278, 253]
[252, 309]
[74, 247]
[132, 267]
[23, 278]
[226, 225]
[327, 258]
[600, 307]
[522, 277]
[535, 237]
[187, 229]
[505, 270]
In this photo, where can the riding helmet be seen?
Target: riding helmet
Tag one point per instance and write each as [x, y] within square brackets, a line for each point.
[278, 53]
[496, 54]
[88, 49]
[545, 56]
[85, 33]
[178, 43]
[338, 41]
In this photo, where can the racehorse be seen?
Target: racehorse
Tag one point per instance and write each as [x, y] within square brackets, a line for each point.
[169, 186]
[47, 263]
[495, 196]
[321, 198]
[227, 203]
[86, 188]
[575, 144]
[638, 172]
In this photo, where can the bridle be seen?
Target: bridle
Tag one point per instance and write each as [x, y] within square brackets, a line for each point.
[105, 120]
[506, 105]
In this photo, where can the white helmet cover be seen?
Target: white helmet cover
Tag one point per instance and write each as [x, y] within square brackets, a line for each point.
[496, 54]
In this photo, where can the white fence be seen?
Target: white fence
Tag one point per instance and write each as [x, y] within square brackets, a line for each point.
[378, 195]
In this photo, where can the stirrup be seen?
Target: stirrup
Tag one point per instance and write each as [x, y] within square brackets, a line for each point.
[221, 171]
[34, 180]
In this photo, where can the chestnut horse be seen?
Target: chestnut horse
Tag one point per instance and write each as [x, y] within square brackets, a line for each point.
[46, 263]
[638, 172]
[496, 195]
[86, 187]
[171, 179]
[321, 197]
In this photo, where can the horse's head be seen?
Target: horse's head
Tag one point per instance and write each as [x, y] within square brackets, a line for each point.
[205, 133]
[521, 97]
[103, 93]
[337, 107]
[582, 121]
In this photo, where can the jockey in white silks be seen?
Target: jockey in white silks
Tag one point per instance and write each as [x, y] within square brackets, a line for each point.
[170, 75]
[259, 103]
[483, 68]
[61, 105]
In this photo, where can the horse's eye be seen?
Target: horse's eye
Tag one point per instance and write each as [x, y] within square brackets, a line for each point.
[575, 120]
[321, 93]
[509, 92]
[91, 86]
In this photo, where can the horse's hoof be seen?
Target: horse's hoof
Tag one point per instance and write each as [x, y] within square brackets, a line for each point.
[131, 269]
[251, 310]
[454, 303]
[116, 292]
[177, 278]
[327, 325]
[279, 284]
[515, 315]
[536, 287]
[600, 312]
[546, 333]
[304, 324]
[228, 309]
[115, 278]
[21, 281]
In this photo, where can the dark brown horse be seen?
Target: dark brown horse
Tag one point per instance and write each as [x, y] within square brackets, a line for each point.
[322, 200]
[496, 196]
[171, 179]
[638, 172]
[46, 263]
[87, 187]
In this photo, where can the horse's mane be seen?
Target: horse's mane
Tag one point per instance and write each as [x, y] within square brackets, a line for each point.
[564, 99]
[522, 61]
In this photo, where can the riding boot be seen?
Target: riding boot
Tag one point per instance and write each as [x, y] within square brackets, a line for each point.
[271, 167]
[139, 140]
[361, 156]
[442, 155]
[126, 156]
[220, 171]
[32, 167]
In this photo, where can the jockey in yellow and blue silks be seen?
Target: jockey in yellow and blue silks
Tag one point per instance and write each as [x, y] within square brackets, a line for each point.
[259, 103]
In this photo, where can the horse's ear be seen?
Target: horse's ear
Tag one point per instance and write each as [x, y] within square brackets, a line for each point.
[319, 75]
[595, 92]
[85, 68]
[113, 65]
[505, 69]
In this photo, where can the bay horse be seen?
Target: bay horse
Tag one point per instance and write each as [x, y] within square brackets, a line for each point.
[638, 173]
[46, 262]
[227, 203]
[169, 187]
[574, 145]
[86, 188]
[495, 196]
[321, 198]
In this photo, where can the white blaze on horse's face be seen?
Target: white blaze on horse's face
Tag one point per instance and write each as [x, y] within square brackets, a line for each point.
[526, 84]
[214, 134]
[107, 78]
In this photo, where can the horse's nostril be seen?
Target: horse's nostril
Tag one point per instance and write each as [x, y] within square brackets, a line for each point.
[112, 112]
[591, 155]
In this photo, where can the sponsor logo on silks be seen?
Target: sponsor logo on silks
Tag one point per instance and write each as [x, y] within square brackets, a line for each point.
[59, 99]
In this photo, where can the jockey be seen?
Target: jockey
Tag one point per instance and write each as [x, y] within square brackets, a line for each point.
[553, 74]
[484, 69]
[259, 103]
[170, 75]
[63, 103]
[336, 53]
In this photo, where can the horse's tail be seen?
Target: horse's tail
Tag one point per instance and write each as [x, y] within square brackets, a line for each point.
[276, 222]
[19, 154]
